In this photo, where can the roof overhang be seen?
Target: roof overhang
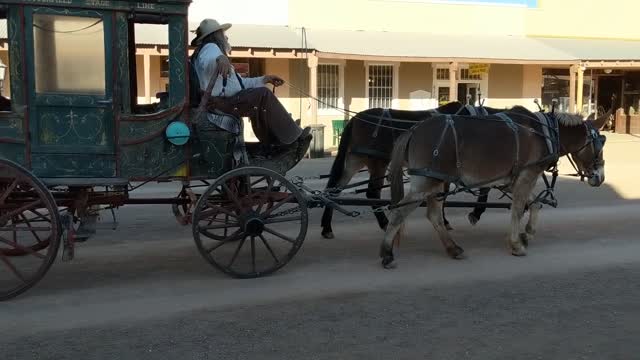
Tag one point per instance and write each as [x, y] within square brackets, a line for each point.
[329, 55]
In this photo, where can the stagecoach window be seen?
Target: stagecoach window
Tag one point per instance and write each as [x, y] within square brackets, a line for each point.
[69, 54]
[5, 91]
[380, 86]
[328, 86]
[149, 65]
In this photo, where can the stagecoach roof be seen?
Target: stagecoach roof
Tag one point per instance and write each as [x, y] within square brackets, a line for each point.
[413, 45]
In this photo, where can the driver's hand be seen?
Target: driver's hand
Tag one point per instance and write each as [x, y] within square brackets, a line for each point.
[273, 79]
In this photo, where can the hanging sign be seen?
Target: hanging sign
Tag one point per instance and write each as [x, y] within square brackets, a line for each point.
[478, 69]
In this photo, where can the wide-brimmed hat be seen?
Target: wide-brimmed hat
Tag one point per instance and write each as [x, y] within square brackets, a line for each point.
[207, 27]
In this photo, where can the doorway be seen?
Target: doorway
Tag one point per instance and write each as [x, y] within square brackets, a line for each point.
[608, 88]
[468, 93]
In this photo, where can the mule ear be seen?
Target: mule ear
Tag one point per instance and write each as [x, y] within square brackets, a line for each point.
[601, 121]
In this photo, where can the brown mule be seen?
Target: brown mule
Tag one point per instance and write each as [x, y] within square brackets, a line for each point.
[511, 149]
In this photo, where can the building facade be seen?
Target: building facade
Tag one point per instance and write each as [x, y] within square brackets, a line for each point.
[417, 54]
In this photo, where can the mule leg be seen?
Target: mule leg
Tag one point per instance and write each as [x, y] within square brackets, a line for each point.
[397, 217]
[377, 170]
[447, 187]
[530, 228]
[478, 210]
[434, 214]
[353, 164]
[521, 193]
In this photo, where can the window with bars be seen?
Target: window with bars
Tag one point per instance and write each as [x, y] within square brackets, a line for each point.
[328, 86]
[380, 86]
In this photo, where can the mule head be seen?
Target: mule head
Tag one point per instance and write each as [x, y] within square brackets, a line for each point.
[583, 142]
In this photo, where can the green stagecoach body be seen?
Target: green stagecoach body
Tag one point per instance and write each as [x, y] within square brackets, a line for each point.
[74, 116]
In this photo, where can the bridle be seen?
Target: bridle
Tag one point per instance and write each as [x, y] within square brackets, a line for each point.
[596, 141]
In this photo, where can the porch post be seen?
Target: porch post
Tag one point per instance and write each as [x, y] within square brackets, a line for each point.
[579, 97]
[453, 85]
[147, 78]
[572, 89]
[312, 62]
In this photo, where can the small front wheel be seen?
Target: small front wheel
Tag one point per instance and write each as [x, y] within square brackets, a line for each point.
[250, 222]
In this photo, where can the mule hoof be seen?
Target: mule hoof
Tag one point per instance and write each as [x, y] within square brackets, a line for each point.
[518, 250]
[388, 262]
[473, 219]
[525, 239]
[328, 235]
[456, 252]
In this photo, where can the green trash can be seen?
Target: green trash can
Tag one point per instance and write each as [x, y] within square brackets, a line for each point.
[338, 128]
[316, 150]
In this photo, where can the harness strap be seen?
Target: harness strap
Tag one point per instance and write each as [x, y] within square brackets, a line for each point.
[545, 130]
[516, 137]
[472, 110]
[433, 174]
[436, 151]
[449, 124]
[483, 111]
[385, 115]
[370, 152]
[452, 125]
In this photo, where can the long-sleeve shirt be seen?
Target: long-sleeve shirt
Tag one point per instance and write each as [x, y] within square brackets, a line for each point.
[206, 66]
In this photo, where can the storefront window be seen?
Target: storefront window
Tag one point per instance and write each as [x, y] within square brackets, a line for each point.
[632, 93]
[556, 85]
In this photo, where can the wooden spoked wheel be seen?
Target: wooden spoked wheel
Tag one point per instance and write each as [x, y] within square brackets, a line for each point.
[29, 229]
[250, 222]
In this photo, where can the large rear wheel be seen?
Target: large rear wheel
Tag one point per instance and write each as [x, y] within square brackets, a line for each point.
[250, 222]
[29, 230]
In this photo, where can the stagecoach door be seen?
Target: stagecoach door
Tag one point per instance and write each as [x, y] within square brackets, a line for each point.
[71, 112]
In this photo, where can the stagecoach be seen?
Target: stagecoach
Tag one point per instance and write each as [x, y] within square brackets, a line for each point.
[75, 141]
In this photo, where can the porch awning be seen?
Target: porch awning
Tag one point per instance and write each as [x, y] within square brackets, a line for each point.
[427, 46]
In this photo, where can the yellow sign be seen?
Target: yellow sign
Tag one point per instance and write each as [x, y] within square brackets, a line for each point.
[478, 69]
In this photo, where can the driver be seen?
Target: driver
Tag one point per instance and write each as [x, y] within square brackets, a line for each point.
[238, 96]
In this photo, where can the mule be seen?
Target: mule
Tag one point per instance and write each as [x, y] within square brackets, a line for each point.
[367, 141]
[510, 150]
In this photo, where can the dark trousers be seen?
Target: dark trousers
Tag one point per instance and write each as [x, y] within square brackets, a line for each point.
[269, 119]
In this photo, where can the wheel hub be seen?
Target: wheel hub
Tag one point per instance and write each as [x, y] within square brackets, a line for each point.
[253, 225]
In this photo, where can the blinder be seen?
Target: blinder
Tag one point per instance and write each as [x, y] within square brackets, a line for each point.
[597, 141]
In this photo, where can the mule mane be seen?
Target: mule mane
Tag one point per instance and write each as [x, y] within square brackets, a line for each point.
[450, 107]
[568, 119]
[520, 109]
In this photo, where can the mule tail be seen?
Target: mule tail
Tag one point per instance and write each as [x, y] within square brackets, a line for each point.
[398, 157]
[337, 169]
